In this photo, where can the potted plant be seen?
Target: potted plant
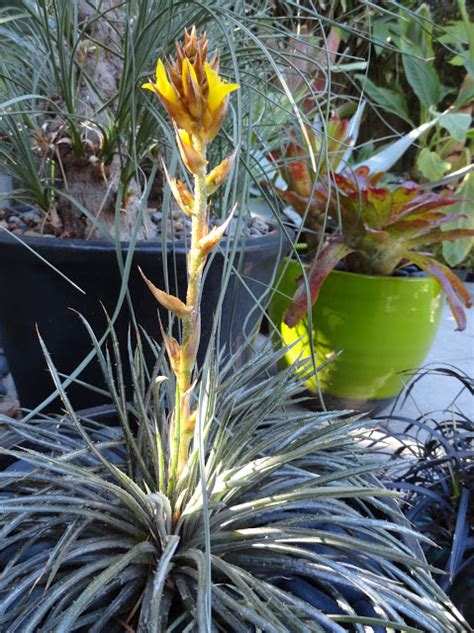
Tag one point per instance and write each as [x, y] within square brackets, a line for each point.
[82, 145]
[381, 315]
[436, 479]
[174, 504]
[180, 510]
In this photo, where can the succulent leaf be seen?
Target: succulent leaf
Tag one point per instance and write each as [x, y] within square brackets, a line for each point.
[456, 293]
[380, 226]
[325, 263]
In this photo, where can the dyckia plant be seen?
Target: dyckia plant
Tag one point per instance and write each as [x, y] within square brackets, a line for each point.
[381, 229]
[196, 99]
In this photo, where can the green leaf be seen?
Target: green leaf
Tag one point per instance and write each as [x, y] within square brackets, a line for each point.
[456, 33]
[455, 252]
[417, 30]
[431, 165]
[389, 100]
[421, 75]
[457, 124]
[457, 60]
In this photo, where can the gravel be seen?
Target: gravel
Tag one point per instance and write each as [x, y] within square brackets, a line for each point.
[178, 226]
[29, 221]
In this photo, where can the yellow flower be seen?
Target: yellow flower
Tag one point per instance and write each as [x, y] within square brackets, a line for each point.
[169, 97]
[217, 89]
[191, 90]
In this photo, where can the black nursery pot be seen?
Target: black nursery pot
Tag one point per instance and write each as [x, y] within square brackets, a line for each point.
[33, 294]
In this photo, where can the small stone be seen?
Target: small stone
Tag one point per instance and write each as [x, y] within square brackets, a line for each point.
[15, 219]
[400, 272]
[3, 390]
[9, 408]
[31, 218]
[19, 231]
[157, 217]
[179, 226]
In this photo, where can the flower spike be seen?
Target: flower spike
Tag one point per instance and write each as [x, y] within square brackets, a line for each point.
[196, 99]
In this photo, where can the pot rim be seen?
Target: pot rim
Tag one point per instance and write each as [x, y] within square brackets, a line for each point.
[275, 236]
[372, 278]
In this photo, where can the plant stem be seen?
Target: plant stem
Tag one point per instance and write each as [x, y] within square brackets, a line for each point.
[183, 426]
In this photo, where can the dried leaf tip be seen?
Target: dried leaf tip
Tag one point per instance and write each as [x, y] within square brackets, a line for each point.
[169, 302]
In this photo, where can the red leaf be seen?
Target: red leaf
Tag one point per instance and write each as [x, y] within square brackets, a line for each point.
[456, 293]
[320, 269]
[303, 204]
[423, 228]
[441, 236]
[299, 177]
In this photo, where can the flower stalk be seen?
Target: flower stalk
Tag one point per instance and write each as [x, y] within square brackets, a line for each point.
[196, 98]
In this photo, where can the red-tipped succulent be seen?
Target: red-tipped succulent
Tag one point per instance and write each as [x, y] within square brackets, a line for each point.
[381, 229]
[298, 166]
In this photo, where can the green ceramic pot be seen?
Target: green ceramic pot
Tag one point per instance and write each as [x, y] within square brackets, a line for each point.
[371, 329]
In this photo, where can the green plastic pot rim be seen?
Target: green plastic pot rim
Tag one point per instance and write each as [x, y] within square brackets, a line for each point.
[375, 278]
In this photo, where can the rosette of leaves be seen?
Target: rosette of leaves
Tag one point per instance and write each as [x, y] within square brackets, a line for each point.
[283, 524]
[381, 229]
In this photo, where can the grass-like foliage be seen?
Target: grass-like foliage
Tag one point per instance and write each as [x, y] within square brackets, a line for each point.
[437, 483]
[282, 524]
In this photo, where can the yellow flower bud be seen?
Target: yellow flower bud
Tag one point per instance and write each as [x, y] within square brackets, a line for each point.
[218, 175]
[181, 193]
[192, 157]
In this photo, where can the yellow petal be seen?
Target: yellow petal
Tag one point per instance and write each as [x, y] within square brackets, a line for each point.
[218, 89]
[149, 86]
[163, 85]
[188, 69]
[184, 136]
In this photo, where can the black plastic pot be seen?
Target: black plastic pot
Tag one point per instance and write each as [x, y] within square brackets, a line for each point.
[33, 294]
